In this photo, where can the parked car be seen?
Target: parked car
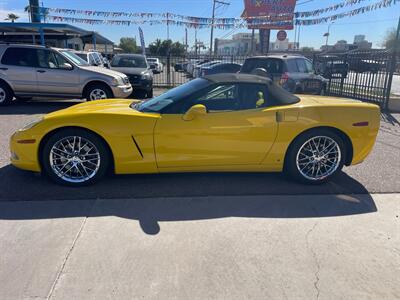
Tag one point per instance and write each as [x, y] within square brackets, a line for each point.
[366, 65]
[224, 122]
[330, 66]
[92, 58]
[294, 73]
[29, 70]
[155, 65]
[192, 66]
[137, 69]
[198, 68]
[180, 66]
[221, 68]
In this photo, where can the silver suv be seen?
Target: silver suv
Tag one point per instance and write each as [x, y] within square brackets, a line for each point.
[28, 70]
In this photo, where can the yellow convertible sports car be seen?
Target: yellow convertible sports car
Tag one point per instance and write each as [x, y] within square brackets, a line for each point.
[224, 122]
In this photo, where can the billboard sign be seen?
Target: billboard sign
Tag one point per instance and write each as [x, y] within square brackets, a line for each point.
[274, 14]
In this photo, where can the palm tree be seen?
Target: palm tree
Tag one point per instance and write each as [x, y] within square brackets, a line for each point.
[11, 17]
[27, 9]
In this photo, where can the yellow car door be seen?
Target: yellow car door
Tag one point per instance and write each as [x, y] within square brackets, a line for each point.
[228, 133]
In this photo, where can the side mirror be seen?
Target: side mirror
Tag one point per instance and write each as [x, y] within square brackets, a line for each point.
[195, 111]
[66, 66]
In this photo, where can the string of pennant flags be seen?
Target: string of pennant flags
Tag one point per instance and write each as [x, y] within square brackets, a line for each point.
[220, 23]
[160, 22]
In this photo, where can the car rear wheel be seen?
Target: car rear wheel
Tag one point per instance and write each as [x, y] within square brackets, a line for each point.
[315, 157]
[98, 92]
[75, 157]
[6, 94]
[149, 93]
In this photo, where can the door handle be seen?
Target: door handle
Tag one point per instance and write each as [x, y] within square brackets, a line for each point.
[41, 71]
[4, 69]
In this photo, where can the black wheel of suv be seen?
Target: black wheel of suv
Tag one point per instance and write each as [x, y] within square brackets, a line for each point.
[98, 91]
[6, 94]
[315, 156]
[75, 157]
[149, 93]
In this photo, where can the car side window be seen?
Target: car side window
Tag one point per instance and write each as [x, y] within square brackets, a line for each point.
[23, 57]
[222, 97]
[50, 59]
[254, 96]
[309, 66]
[292, 66]
[301, 65]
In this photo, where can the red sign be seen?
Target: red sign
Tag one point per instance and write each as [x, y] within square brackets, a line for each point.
[281, 35]
[274, 14]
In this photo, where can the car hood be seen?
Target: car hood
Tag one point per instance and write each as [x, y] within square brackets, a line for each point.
[111, 106]
[132, 71]
[101, 70]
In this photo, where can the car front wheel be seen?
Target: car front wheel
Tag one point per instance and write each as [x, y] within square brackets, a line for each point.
[315, 157]
[6, 94]
[98, 92]
[75, 157]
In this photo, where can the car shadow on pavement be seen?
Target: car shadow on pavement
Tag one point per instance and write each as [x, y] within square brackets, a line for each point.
[151, 199]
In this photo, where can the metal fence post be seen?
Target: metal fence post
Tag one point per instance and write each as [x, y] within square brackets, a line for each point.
[392, 67]
[169, 69]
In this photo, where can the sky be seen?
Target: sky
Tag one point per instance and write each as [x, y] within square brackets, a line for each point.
[374, 25]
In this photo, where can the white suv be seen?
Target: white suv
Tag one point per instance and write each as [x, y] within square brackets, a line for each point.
[30, 71]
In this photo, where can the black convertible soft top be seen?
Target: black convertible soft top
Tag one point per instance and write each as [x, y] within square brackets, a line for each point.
[282, 96]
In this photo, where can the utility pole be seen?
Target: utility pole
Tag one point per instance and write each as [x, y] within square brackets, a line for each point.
[213, 22]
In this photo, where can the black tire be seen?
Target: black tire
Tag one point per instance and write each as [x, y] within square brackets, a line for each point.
[103, 89]
[322, 92]
[6, 94]
[293, 171]
[149, 93]
[104, 157]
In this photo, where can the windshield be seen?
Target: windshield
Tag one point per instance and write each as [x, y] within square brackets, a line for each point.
[152, 59]
[126, 61]
[74, 58]
[158, 103]
[82, 55]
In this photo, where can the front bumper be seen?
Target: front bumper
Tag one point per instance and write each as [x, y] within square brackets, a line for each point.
[122, 91]
[24, 149]
[142, 84]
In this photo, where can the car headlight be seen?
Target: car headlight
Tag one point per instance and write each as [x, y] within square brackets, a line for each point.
[31, 124]
[116, 81]
[146, 76]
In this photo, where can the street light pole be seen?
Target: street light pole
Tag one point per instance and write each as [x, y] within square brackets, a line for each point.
[213, 21]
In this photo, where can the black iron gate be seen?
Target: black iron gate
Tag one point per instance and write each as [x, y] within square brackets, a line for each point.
[363, 75]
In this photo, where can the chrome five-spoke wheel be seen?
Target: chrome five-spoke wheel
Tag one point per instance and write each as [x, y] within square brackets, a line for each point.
[318, 158]
[74, 159]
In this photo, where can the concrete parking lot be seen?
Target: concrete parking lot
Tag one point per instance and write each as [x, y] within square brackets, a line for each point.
[201, 236]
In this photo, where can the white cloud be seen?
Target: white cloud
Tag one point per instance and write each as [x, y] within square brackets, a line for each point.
[23, 16]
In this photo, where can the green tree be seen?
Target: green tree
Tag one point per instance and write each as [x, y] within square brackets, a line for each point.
[390, 39]
[307, 49]
[27, 9]
[11, 17]
[154, 48]
[128, 45]
[165, 47]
